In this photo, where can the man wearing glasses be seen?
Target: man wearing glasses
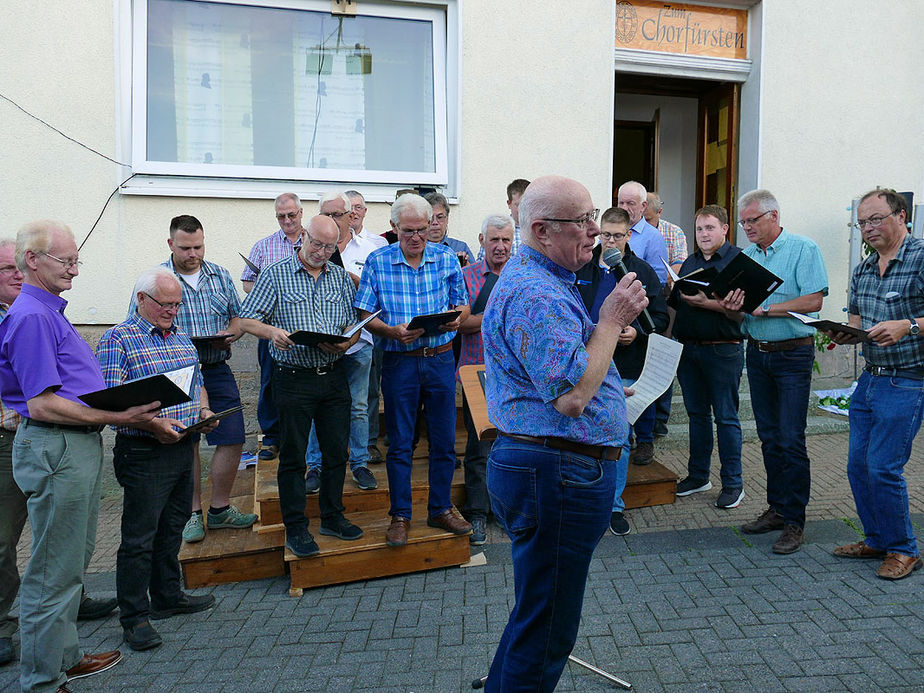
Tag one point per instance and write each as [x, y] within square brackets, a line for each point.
[886, 299]
[358, 205]
[557, 401]
[779, 358]
[409, 278]
[647, 242]
[353, 251]
[306, 291]
[45, 365]
[153, 463]
[439, 229]
[277, 246]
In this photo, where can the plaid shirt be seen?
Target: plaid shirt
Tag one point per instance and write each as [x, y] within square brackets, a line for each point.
[136, 349]
[266, 251]
[402, 292]
[206, 310]
[676, 241]
[286, 296]
[472, 345]
[897, 295]
[9, 419]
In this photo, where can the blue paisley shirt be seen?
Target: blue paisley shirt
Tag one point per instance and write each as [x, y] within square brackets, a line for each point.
[534, 329]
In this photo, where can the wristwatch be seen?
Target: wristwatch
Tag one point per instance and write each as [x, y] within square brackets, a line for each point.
[765, 309]
[915, 328]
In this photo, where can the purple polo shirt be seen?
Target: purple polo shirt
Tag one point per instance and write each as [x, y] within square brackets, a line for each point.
[41, 350]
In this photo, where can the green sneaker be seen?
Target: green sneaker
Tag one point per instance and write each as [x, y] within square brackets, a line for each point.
[194, 530]
[232, 518]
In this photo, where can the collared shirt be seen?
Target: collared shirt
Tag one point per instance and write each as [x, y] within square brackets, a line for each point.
[354, 259]
[648, 243]
[288, 297]
[206, 310]
[676, 241]
[692, 324]
[40, 350]
[472, 347]
[266, 251]
[402, 292]
[374, 238]
[897, 295]
[514, 248]
[457, 247]
[9, 419]
[535, 330]
[136, 349]
[798, 262]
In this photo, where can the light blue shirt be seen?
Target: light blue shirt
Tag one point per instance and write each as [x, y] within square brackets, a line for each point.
[648, 243]
[798, 262]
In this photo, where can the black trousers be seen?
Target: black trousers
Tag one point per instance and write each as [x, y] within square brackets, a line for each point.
[302, 397]
[477, 503]
[158, 484]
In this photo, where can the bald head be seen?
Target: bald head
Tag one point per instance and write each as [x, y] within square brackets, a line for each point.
[568, 244]
[323, 234]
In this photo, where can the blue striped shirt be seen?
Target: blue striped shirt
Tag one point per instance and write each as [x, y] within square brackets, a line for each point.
[798, 262]
[266, 251]
[136, 349]
[402, 293]
[205, 310]
[286, 296]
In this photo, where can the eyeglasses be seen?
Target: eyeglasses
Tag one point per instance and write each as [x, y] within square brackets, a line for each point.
[873, 222]
[440, 217]
[612, 236]
[288, 215]
[359, 207]
[165, 306]
[334, 215]
[68, 264]
[414, 232]
[326, 247]
[752, 220]
[580, 221]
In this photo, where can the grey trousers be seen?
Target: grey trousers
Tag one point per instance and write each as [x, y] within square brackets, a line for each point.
[59, 471]
[12, 520]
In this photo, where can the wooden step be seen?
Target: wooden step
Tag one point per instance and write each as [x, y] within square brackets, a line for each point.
[354, 500]
[370, 557]
[650, 484]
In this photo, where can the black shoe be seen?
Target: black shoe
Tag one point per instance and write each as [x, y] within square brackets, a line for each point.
[6, 651]
[186, 604]
[643, 454]
[270, 452]
[660, 429]
[365, 479]
[790, 540]
[479, 534]
[302, 544]
[341, 528]
[729, 498]
[690, 485]
[375, 455]
[312, 481]
[141, 636]
[92, 609]
[619, 525]
[769, 521]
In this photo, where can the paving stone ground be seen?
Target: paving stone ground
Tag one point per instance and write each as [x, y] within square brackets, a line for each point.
[684, 603]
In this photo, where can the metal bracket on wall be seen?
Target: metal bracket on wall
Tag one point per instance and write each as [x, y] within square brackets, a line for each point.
[343, 7]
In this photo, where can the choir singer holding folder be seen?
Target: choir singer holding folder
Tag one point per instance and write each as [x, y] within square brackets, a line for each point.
[153, 463]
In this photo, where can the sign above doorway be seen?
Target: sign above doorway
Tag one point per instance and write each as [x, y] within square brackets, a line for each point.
[696, 30]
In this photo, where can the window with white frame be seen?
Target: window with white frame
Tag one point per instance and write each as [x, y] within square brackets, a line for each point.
[285, 90]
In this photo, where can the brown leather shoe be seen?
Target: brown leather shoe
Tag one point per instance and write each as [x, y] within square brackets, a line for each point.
[769, 521]
[790, 540]
[858, 550]
[94, 664]
[396, 534]
[450, 522]
[898, 565]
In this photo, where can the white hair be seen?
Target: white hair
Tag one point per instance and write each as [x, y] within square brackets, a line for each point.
[496, 221]
[765, 200]
[335, 195]
[642, 193]
[147, 282]
[414, 203]
[36, 236]
[285, 197]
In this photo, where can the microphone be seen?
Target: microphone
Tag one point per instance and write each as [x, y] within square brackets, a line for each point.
[613, 260]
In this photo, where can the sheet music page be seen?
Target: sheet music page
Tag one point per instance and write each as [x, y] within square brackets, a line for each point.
[183, 378]
[661, 361]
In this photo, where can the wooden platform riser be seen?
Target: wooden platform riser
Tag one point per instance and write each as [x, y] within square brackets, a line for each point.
[221, 570]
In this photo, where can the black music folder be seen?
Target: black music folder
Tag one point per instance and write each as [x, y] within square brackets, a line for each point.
[253, 267]
[168, 388]
[308, 338]
[743, 273]
[831, 326]
[199, 425]
[431, 323]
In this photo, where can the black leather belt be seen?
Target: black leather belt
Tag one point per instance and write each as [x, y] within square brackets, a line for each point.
[595, 451]
[64, 427]
[912, 373]
[313, 370]
[783, 345]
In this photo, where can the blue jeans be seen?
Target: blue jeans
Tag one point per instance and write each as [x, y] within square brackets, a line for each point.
[357, 373]
[555, 506]
[780, 383]
[375, 379]
[709, 376]
[622, 476]
[407, 381]
[267, 412]
[885, 416]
